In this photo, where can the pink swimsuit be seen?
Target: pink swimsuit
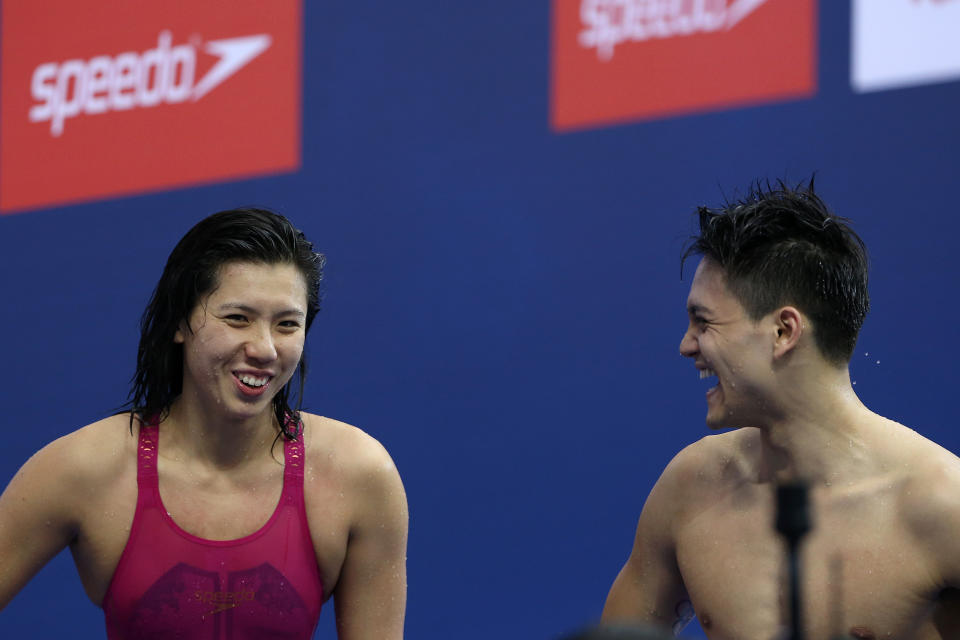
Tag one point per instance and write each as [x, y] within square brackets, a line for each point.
[171, 584]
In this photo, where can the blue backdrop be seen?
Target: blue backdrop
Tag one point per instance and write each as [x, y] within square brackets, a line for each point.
[504, 303]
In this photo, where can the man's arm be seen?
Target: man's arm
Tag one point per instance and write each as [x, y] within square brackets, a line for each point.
[371, 593]
[932, 509]
[36, 518]
[649, 587]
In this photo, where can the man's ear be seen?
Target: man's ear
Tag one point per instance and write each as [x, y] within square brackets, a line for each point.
[790, 325]
[178, 336]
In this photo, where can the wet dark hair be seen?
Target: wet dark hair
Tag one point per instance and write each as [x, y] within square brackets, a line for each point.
[237, 235]
[780, 245]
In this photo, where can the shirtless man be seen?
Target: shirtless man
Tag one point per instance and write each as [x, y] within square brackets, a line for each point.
[774, 310]
[213, 508]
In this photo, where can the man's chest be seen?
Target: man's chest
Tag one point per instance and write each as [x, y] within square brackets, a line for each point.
[862, 576]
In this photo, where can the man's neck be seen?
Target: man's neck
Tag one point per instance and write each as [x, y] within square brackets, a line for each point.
[821, 434]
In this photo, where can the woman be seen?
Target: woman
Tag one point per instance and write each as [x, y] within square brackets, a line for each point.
[212, 509]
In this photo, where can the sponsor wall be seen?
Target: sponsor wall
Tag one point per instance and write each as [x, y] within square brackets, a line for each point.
[502, 192]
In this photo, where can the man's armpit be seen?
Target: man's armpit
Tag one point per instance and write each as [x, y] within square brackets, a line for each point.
[684, 614]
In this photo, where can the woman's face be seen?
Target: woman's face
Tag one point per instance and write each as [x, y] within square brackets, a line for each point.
[245, 339]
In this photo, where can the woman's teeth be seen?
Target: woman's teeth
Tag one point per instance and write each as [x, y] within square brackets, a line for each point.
[253, 381]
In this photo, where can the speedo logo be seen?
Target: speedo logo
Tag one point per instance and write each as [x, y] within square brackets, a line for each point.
[165, 74]
[223, 600]
[613, 22]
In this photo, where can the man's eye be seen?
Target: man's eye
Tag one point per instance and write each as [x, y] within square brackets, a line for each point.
[236, 317]
[290, 324]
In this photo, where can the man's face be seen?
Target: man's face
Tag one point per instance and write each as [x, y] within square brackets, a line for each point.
[724, 342]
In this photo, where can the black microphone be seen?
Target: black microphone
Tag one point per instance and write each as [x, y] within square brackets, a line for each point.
[793, 522]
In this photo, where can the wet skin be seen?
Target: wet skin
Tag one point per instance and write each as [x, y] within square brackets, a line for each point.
[220, 477]
[882, 560]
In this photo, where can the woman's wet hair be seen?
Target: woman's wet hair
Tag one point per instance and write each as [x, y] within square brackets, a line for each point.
[237, 235]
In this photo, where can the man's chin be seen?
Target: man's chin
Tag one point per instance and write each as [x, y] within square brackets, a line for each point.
[715, 423]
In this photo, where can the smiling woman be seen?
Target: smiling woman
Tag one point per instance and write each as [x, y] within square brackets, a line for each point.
[246, 337]
[207, 526]
[195, 271]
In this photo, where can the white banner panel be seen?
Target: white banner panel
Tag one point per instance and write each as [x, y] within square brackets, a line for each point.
[900, 43]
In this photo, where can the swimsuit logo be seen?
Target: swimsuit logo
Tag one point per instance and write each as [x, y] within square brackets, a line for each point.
[616, 61]
[612, 22]
[191, 602]
[223, 600]
[163, 74]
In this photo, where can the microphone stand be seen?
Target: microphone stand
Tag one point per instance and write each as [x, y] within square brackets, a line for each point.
[793, 522]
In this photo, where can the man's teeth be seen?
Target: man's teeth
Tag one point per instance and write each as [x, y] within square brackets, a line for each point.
[253, 381]
[706, 373]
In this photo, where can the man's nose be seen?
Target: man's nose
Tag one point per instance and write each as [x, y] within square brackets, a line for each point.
[688, 344]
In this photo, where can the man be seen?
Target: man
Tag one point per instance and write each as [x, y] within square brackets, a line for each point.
[774, 310]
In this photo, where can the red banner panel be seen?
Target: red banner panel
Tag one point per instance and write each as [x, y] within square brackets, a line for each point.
[628, 60]
[99, 99]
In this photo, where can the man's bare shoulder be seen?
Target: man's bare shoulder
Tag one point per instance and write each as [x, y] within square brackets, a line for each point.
[929, 481]
[702, 474]
[929, 504]
[926, 472]
[720, 460]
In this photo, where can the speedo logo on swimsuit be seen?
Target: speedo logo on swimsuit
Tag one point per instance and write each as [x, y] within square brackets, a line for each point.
[164, 74]
[223, 600]
[612, 22]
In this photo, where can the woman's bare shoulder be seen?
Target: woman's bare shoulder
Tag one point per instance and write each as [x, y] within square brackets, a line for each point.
[60, 480]
[94, 451]
[343, 445]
